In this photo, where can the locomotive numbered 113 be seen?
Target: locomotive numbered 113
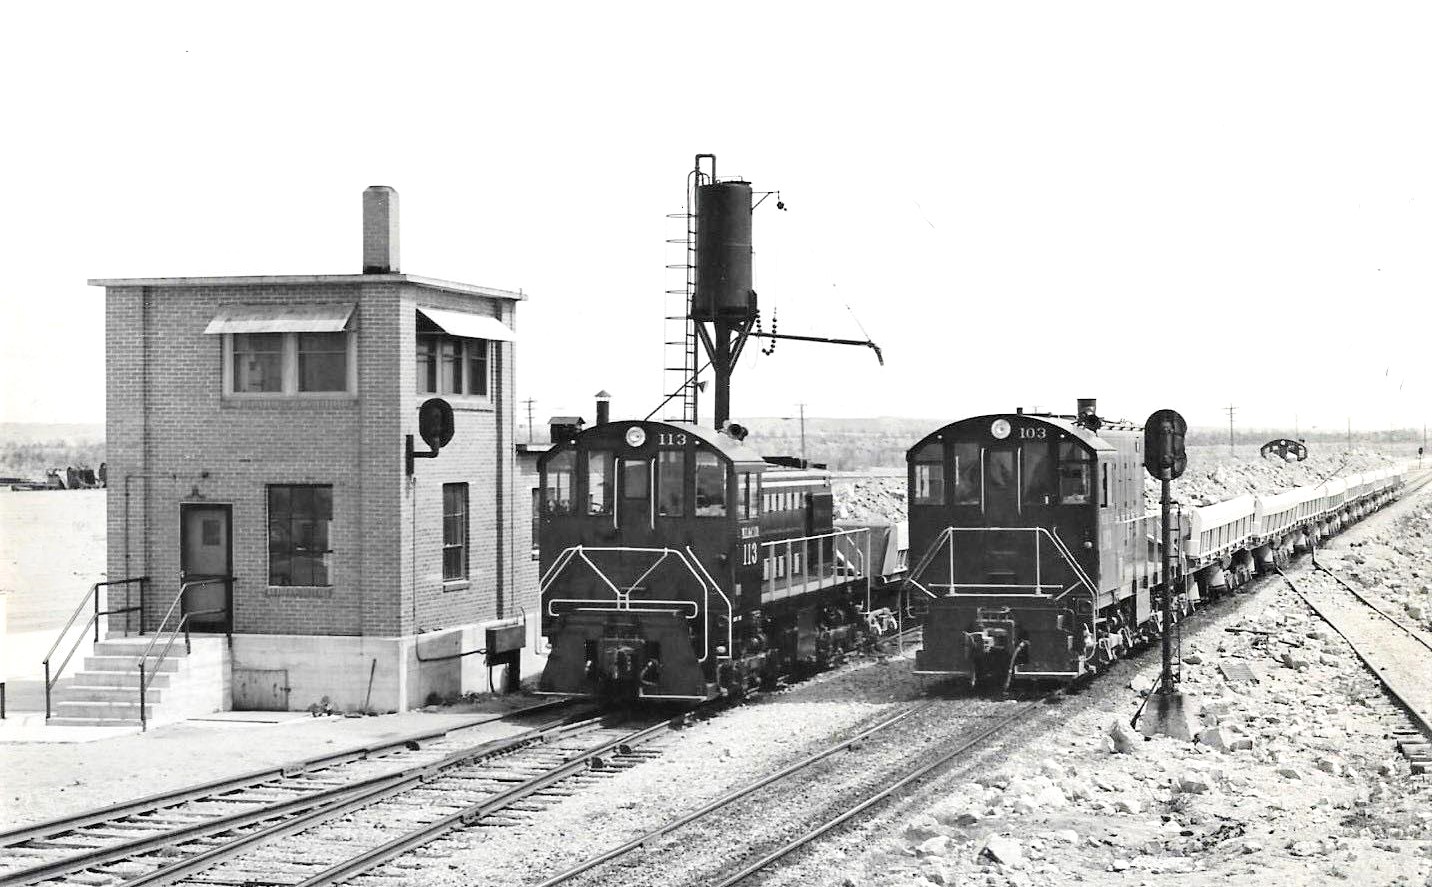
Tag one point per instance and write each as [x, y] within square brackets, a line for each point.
[677, 563]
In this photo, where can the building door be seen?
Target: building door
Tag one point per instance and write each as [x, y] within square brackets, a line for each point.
[206, 552]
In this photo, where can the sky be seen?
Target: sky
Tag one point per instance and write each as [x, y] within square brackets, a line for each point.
[1183, 206]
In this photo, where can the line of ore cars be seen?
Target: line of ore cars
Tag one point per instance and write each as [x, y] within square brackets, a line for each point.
[679, 564]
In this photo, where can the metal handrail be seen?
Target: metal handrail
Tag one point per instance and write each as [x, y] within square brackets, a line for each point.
[851, 536]
[173, 634]
[622, 597]
[92, 594]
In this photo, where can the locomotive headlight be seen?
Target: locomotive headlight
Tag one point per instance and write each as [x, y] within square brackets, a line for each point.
[635, 436]
[999, 428]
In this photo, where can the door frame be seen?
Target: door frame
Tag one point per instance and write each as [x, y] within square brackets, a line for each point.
[227, 624]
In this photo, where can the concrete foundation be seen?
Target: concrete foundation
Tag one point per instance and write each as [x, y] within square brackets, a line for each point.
[405, 671]
[1174, 715]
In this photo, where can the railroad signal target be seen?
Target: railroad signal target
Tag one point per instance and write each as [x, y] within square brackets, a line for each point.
[1164, 434]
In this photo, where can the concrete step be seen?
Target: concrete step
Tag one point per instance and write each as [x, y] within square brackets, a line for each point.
[136, 647]
[119, 679]
[124, 711]
[110, 694]
[91, 722]
[130, 663]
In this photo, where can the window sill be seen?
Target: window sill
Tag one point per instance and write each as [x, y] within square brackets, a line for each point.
[464, 402]
[456, 584]
[280, 401]
[299, 591]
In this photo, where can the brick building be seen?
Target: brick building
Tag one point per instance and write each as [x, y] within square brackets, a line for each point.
[256, 430]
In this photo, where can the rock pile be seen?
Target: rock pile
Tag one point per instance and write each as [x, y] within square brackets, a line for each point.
[1293, 778]
[1212, 477]
[870, 498]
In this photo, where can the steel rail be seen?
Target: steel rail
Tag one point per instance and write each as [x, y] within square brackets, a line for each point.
[735, 795]
[1373, 606]
[310, 809]
[579, 762]
[253, 778]
[1423, 722]
[376, 789]
[999, 726]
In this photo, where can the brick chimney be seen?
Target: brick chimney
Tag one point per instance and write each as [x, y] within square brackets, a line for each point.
[380, 230]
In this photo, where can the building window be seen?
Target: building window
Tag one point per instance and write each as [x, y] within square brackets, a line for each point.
[536, 523]
[454, 532]
[298, 518]
[258, 363]
[290, 363]
[322, 361]
[452, 365]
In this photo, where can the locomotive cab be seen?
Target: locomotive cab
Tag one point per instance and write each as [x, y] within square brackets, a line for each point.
[647, 530]
[1019, 521]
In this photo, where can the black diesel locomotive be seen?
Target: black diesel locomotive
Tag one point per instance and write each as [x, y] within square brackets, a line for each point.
[1038, 559]
[677, 563]
[1033, 542]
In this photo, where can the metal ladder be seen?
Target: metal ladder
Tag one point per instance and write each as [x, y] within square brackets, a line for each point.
[679, 354]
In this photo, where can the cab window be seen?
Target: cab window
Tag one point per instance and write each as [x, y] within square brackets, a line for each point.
[930, 475]
[750, 495]
[1036, 473]
[967, 474]
[599, 483]
[1075, 474]
[710, 485]
[557, 484]
[670, 477]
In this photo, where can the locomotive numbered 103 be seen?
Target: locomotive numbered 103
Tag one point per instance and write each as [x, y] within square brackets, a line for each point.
[677, 563]
[1038, 557]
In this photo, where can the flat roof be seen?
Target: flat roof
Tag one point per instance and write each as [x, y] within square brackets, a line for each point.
[311, 280]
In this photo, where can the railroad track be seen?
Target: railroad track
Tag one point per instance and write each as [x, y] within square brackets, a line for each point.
[729, 844]
[1398, 654]
[277, 827]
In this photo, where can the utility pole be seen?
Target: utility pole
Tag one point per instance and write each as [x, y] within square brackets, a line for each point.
[1295, 427]
[529, 401]
[803, 448]
[1230, 409]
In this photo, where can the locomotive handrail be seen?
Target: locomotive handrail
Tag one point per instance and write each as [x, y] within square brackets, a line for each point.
[730, 629]
[860, 567]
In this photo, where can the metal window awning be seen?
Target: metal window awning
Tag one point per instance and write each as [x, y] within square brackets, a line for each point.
[281, 319]
[469, 326]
